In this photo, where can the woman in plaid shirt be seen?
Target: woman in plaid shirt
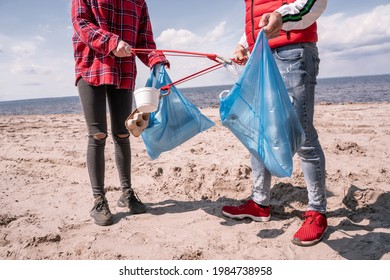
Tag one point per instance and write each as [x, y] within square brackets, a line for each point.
[105, 69]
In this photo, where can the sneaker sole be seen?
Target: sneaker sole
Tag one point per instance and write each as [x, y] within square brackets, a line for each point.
[243, 216]
[308, 243]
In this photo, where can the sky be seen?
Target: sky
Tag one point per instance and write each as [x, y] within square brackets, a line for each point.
[36, 55]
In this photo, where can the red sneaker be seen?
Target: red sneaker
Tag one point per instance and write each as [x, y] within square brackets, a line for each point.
[249, 209]
[312, 229]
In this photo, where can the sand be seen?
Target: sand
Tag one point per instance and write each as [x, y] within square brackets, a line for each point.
[46, 198]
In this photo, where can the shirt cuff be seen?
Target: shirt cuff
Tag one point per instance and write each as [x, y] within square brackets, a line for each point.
[112, 43]
[283, 10]
[243, 42]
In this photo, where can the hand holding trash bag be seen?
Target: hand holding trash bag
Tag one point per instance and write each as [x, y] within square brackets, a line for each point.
[271, 24]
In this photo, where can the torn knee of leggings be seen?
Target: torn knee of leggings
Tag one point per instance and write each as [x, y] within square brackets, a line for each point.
[122, 137]
[98, 136]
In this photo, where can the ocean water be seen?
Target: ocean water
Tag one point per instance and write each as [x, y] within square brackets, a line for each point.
[331, 90]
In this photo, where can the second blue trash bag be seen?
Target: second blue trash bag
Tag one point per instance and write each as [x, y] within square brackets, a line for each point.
[258, 111]
[176, 119]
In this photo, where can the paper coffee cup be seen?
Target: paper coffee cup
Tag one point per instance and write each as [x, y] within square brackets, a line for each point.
[147, 99]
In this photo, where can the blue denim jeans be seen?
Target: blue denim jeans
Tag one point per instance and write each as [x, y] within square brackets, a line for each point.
[298, 65]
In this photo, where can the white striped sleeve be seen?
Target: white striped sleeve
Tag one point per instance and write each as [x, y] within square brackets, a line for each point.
[301, 13]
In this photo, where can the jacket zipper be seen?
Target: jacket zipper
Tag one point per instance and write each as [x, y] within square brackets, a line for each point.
[253, 21]
[287, 32]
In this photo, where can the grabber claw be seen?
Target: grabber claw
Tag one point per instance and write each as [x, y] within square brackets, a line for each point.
[224, 60]
[136, 122]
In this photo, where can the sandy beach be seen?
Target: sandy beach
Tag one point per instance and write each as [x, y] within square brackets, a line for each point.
[46, 198]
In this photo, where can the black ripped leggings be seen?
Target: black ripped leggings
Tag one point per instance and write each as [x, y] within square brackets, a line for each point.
[93, 100]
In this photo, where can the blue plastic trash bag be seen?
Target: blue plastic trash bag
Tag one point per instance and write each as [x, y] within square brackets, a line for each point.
[176, 119]
[258, 111]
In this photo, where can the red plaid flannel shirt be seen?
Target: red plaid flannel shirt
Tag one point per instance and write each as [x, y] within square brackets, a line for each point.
[98, 27]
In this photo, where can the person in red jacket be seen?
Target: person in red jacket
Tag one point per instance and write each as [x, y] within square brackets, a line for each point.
[105, 69]
[292, 31]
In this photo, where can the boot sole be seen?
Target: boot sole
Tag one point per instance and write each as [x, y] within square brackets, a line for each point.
[105, 223]
[102, 223]
[121, 204]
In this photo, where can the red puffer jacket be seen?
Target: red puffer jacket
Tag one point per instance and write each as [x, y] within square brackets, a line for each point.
[254, 11]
